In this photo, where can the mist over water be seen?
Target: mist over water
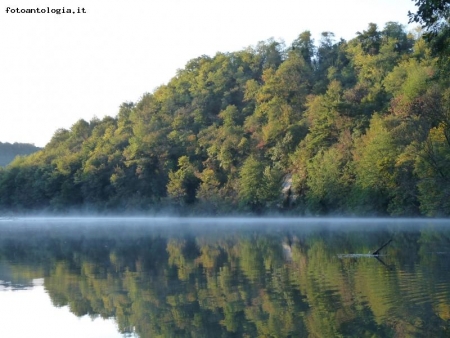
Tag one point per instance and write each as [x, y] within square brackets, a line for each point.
[338, 222]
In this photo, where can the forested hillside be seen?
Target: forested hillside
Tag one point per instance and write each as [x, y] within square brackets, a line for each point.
[359, 127]
[10, 150]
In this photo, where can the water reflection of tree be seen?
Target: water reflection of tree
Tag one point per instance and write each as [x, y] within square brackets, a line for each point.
[231, 285]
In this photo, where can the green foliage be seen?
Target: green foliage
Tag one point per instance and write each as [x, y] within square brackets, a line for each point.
[260, 186]
[355, 124]
[183, 183]
[304, 47]
[433, 169]
[251, 182]
[430, 13]
[410, 78]
[375, 155]
[434, 17]
[328, 182]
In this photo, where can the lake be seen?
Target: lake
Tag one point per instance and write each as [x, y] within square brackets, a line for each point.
[200, 277]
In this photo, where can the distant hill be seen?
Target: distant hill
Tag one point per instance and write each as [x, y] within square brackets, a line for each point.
[9, 151]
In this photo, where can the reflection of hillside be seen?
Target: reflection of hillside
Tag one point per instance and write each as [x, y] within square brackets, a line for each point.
[17, 277]
[229, 285]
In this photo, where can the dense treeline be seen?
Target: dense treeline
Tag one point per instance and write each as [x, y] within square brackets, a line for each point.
[355, 127]
[8, 151]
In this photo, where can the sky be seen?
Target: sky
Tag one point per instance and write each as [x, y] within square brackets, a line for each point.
[57, 69]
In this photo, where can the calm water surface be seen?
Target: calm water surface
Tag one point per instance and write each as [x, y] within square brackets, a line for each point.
[165, 277]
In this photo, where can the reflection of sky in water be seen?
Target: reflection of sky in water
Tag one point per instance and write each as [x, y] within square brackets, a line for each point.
[29, 312]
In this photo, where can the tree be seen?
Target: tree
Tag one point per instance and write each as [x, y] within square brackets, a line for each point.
[434, 17]
[304, 46]
[328, 182]
[183, 183]
[431, 14]
[259, 185]
[396, 32]
[375, 155]
[433, 169]
[251, 181]
[370, 39]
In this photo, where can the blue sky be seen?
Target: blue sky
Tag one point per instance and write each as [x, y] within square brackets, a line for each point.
[56, 69]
